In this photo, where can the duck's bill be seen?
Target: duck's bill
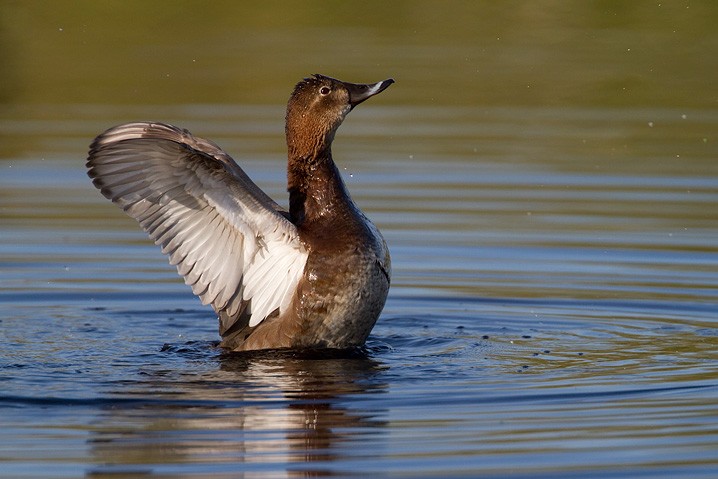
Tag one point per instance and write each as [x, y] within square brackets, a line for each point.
[360, 92]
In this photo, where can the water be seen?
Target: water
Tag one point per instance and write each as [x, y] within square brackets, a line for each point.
[553, 305]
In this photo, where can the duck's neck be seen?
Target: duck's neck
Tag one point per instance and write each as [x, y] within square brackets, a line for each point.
[316, 190]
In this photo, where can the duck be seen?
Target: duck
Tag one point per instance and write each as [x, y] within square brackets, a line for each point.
[313, 276]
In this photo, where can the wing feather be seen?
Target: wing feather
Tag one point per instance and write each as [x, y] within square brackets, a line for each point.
[233, 245]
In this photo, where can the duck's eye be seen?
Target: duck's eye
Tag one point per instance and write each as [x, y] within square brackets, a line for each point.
[324, 90]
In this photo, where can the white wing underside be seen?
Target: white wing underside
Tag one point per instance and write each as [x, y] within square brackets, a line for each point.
[232, 244]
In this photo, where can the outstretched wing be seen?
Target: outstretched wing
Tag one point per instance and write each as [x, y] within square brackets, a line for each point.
[234, 246]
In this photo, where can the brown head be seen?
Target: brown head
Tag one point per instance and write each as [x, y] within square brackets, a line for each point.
[317, 107]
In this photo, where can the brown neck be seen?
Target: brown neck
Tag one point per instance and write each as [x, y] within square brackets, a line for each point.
[316, 189]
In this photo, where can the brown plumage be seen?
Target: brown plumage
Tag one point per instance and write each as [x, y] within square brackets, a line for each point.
[316, 276]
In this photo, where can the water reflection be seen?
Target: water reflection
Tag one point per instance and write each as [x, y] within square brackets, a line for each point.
[285, 411]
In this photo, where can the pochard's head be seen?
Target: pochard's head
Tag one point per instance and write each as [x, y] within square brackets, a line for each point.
[318, 106]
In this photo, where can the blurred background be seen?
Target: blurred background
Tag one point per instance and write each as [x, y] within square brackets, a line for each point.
[83, 61]
[546, 52]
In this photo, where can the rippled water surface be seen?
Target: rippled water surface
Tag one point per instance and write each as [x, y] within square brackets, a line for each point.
[554, 304]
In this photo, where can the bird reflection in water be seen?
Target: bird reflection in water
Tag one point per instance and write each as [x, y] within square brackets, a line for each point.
[288, 413]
